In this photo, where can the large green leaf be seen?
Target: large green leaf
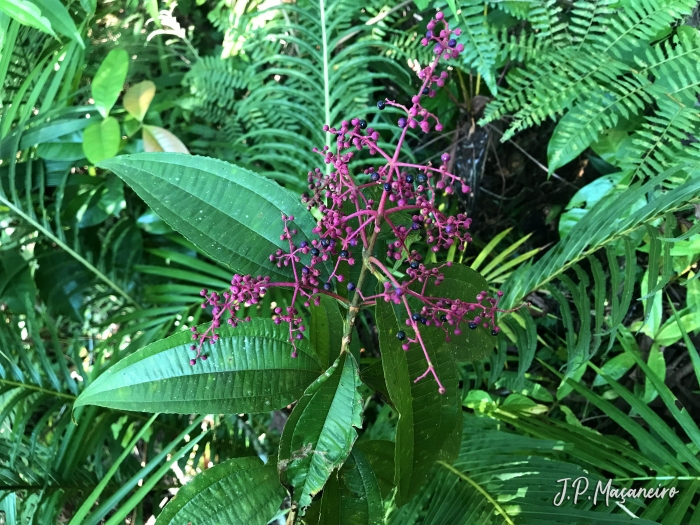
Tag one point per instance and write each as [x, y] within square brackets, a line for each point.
[320, 431]
[380, 454]
[101, 140]
[231, 214]
[326, 329]
[362, 503]
[427, 419]
[109, 80]
[60, 19]
[26, 13]
[350, 498]
[249, 369]
[463, 283]
[237, 491]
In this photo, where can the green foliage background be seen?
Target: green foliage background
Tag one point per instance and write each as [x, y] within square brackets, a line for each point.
[575, 122]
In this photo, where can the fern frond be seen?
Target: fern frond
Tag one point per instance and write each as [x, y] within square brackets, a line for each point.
[597, 66]
[480, 48]
[658, 144]
[641, 21]
[546, 20]
[207, 79]
[311, 64]
[588, 19]
[504, 478]
[583, 124]
[524, 47]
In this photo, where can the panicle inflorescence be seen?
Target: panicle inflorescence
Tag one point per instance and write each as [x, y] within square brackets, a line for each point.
[354, 208]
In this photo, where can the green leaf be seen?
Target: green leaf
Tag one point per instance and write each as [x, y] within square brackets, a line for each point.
[615, 368]
[657, 366]
[372, 374]
[380, 455]
[109, 80]
[461, 282]
[330, 512]
[229, 213]
[249, 369]
[160, 139]
[138, 99]
[26, 13]
[326, 330]
[240, 490]
[426, 417]
[320, 431]
[361, 502]
[60, 19]
[101, 140]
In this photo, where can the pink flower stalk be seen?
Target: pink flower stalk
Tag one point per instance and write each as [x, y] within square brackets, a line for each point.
[353, 213]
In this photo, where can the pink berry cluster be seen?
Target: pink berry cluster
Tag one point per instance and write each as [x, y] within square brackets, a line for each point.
[355, 207]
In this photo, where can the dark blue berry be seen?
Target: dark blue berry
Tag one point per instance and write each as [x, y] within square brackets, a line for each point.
[494, 332]
[421, 178]
[325, 243]
[443, 318]
[344, 254]
[409, 179]
[381, 105]
[387, 186]
[402, 123]
[415, 317]
[363, 124]
[315, 252]
[426, 91]
[400, 335]
[374, 177]
[351, 286]
[305, 270]
[415, 264]
[473, 325]
[451, 42]
[304, 244]
[423, 320]
[327, 286]
[415, 226]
